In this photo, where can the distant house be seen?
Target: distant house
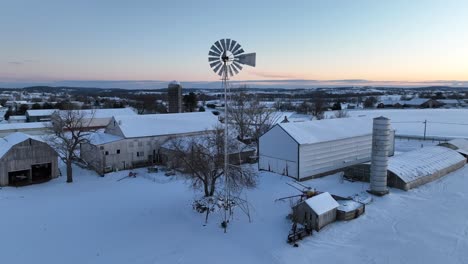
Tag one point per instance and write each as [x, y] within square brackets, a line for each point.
[17, 119]
[311, 149]
[317, 211]
[451, 102]
[24, 160]
[421, 103]
[37, 128]
[132, 141]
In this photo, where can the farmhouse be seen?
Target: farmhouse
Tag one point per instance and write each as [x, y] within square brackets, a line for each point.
[132, 141]
[24, 160]
[414, 168]
[305, 150]
[317, 211]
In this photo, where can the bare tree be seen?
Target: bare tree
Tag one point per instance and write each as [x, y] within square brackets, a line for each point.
[70, 128]
[341, 114]
[202, 158]
[318, 105]
[249, 117]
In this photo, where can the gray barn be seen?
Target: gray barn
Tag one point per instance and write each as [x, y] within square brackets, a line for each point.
[24, 160]
[317, 211]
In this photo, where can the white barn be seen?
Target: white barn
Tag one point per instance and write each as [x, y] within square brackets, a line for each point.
[311, 149]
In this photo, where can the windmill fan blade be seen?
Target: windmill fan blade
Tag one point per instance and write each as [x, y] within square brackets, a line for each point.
[213, 64]
[228, 44]
[215, 49]
[213, 59]
[211, 53]
[223, 43]
[236, 48]
[234, 68]
[237, 65]
[247, 59]
[233, 44]
[230, 70]
[215, 69]
[218, 45]
[220, 73]
[238, 52]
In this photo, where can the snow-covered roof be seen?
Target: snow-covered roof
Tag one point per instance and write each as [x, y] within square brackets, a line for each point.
[17, 117]
[461, 144]
[310, 132]
[416, 164]
[24, 125]
[98, 113]
[322, 203]
[415, 101]
[165, 124]
[9, 141]
[99, 138]
[174, 83]
[41, 112]
[234, 146]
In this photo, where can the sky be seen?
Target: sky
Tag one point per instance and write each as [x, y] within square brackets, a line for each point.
[326, 41]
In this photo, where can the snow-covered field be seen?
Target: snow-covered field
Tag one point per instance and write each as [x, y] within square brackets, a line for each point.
[150, 220]
[440, 122]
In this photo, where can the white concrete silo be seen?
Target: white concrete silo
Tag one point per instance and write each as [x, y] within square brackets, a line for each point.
[381, 143]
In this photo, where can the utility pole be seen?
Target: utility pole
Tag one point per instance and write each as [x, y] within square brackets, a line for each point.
[425, 126]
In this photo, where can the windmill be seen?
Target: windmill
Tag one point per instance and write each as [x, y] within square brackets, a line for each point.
[226, 57]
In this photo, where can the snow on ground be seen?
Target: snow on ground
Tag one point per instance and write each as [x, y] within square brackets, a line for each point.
[440, 122]
[149, 219]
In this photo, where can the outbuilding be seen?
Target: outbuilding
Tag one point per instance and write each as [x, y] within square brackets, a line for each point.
[311, 149]
[24, 160]
[414, 168]
[460, 145]
[317, 211]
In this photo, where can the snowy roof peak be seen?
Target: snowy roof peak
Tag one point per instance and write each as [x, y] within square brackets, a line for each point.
[174, 82]
[165, 124]
[9, 141]
[322, 203]
[316, 131]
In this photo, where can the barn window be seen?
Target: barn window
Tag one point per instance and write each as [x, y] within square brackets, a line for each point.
[140, 144]
[140, 153]
[118, 151]
[131, 144]
[101, 147]
[107, 153]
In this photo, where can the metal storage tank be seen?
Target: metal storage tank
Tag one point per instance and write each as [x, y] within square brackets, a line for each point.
[381, 142]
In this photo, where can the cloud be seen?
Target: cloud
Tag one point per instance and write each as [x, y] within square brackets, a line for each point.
[271, 75]
[15, 63]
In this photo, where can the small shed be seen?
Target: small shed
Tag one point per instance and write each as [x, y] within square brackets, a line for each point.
[317, 211]
[24, 160]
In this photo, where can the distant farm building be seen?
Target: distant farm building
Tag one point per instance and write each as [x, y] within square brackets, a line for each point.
[414, 168]
[312, 149]
[316, 212]
[93, 118]
[132, 141]
[460, 145]
[36, 128]
[174, 97]
[24, 160]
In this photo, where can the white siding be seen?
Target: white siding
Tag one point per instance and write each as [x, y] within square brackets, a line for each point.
[328, 156]
[278, 152]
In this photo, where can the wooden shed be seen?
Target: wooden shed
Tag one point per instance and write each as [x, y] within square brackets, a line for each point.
[24, 160]
[317, 211]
